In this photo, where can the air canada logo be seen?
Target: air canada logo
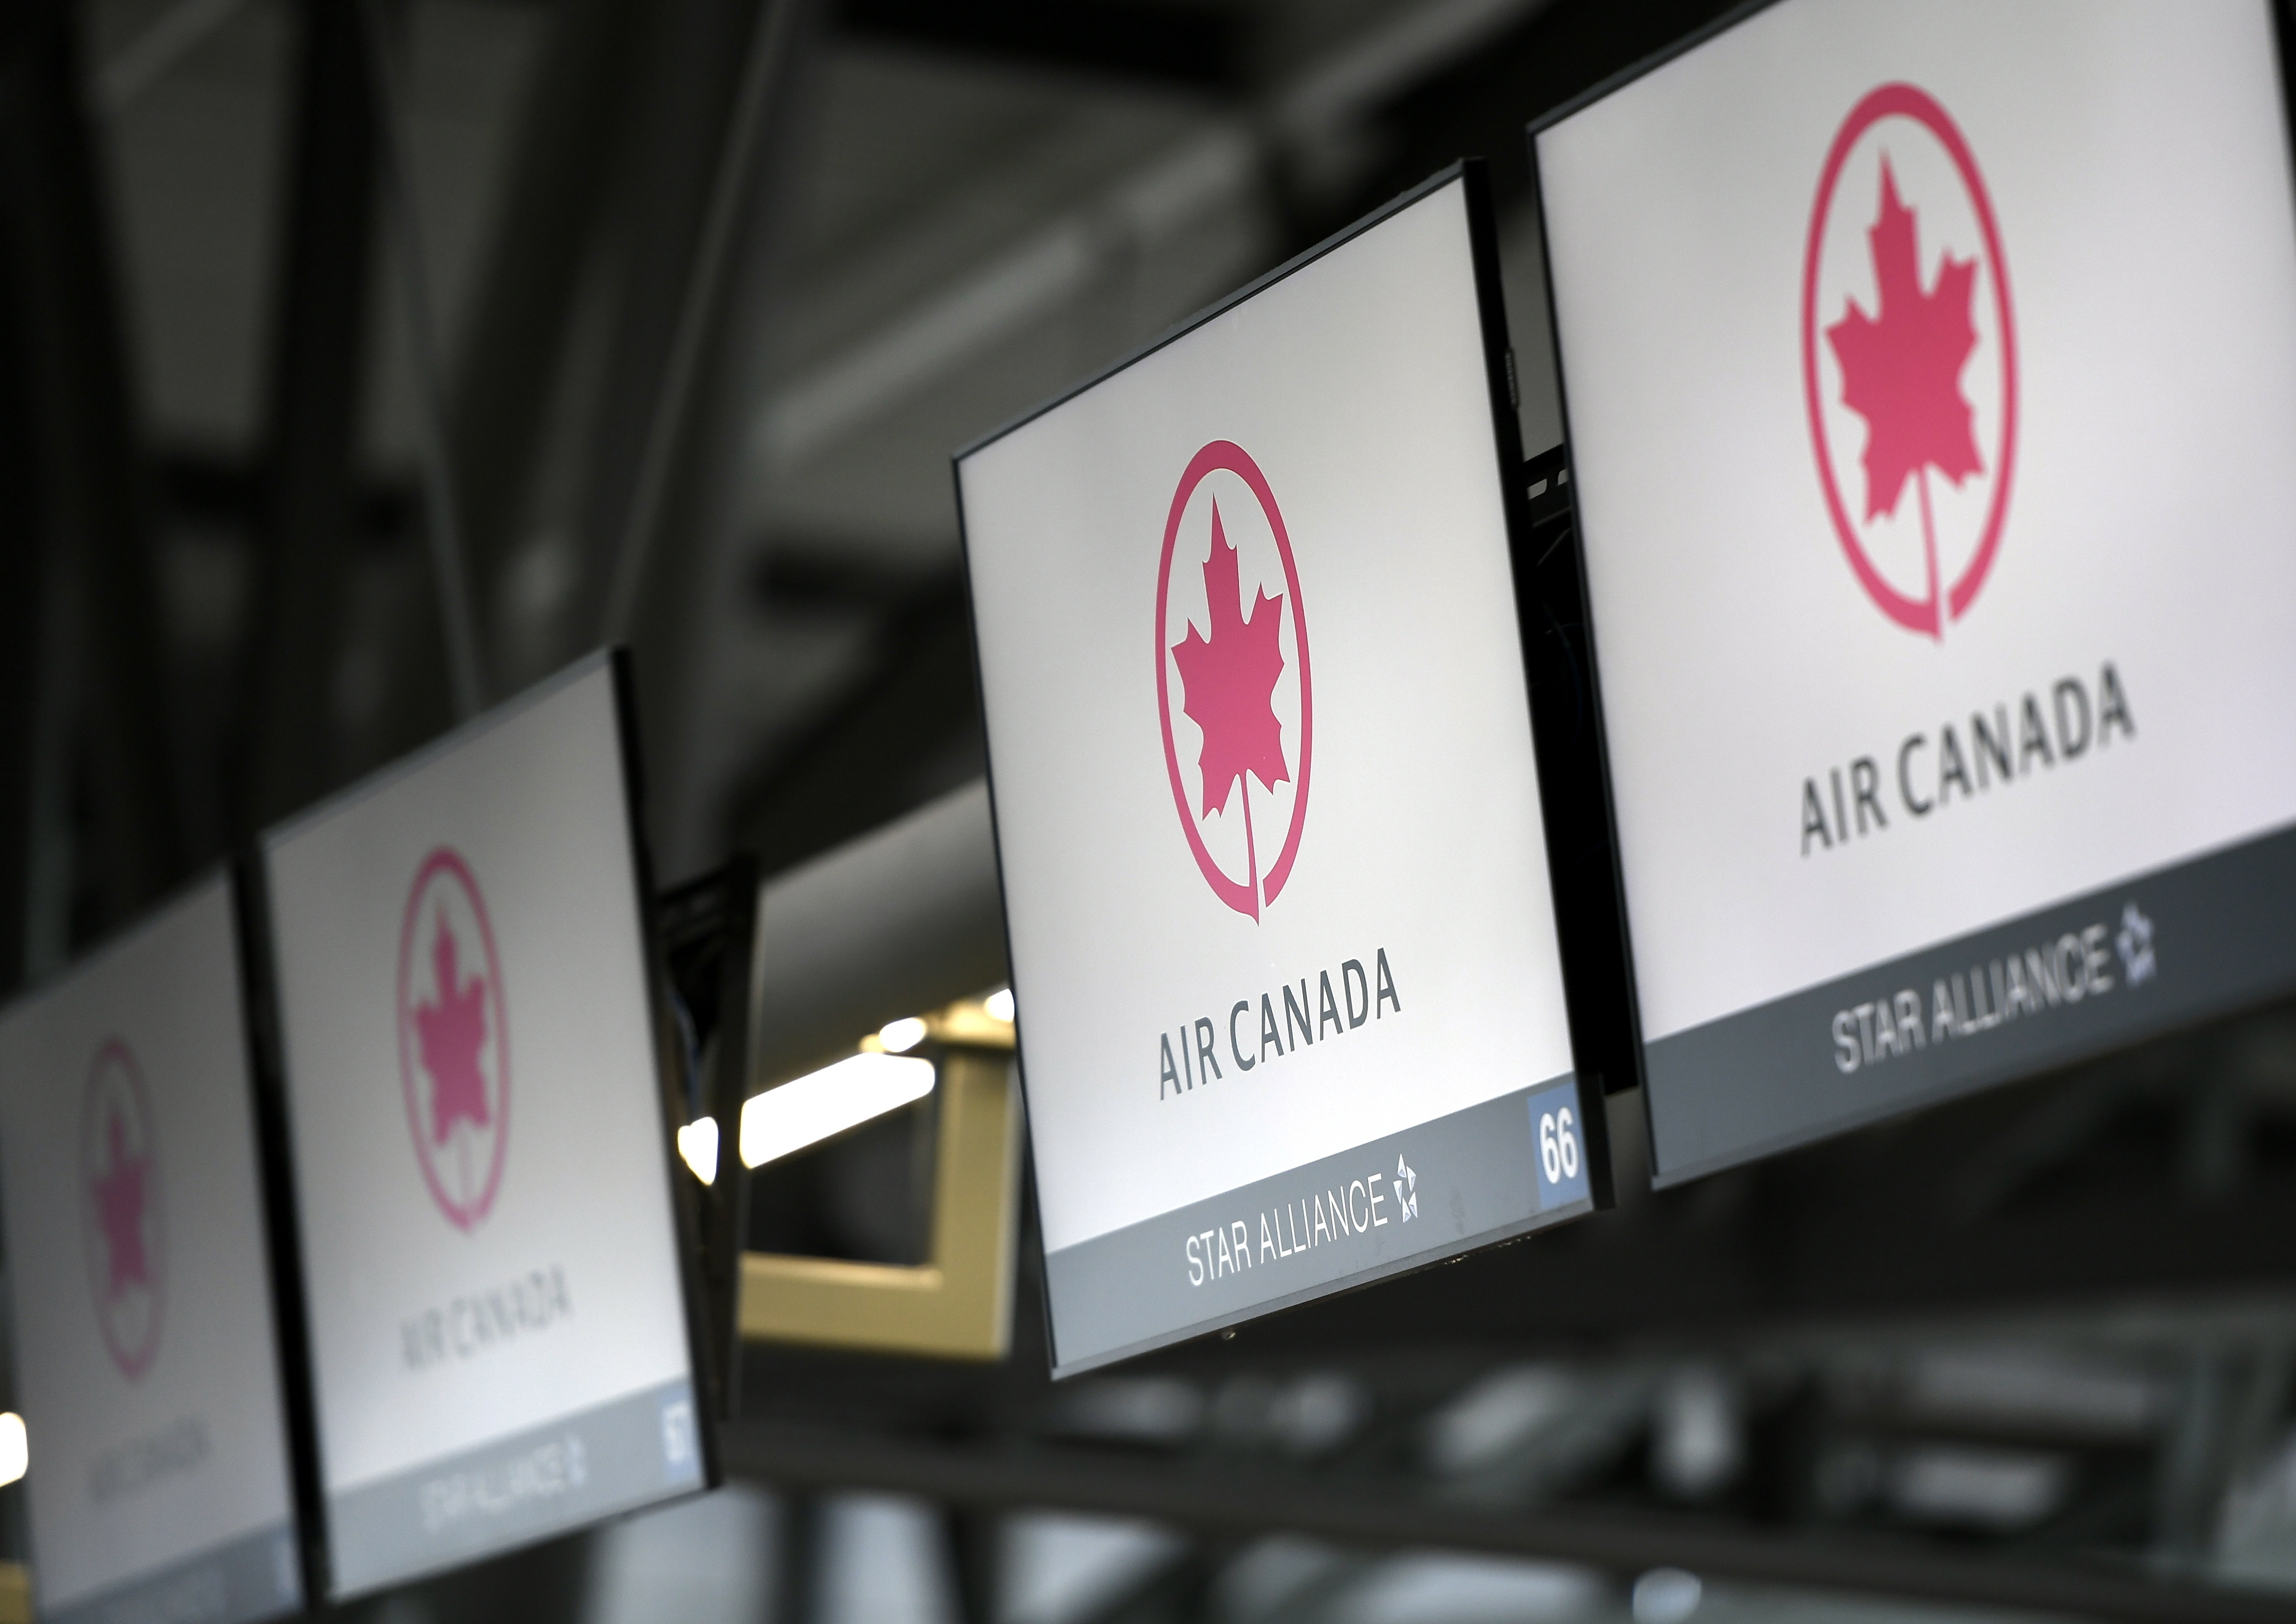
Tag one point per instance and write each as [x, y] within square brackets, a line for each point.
[1232, 677]
[1909, 358]
[454, 1045]
[126, 1237]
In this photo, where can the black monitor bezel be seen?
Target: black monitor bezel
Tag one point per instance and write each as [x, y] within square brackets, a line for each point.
[1589, 985]
[2283, 13]
[291, 1370]
[703, 1362]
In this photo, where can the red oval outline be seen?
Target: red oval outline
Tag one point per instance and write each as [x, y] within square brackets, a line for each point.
[132, 1364]
[463, 1217]
[1226, 453]
[1909, 101]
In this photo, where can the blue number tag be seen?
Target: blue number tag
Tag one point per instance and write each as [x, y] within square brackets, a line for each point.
[1558, 1145]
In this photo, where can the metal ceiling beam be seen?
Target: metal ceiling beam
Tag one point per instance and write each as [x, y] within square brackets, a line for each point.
[196, 485]
[1294, 127]
[557, 282]
[1179, 43]
[675, 148]
[23, 579]
[89, 514]
[908, 729]
[442, 499]
[674, 557]
[737, 229]
[318, 368]
[1481, 102]
[153, 52]
[555, 204]
[1228, 1497]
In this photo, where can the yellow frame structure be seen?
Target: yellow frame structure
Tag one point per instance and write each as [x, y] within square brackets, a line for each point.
[959, 1305]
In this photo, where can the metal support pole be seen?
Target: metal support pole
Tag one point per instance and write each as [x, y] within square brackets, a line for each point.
[442, 518]
[772, 39]
[971, 1539]
[22, 581]
[797, 1553]
[318, 366]
[512, 371]
[87, 514]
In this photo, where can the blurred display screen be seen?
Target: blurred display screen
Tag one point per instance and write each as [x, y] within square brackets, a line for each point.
[146, 1350]
[498, 1323]
[1283, 948]
[1931, 374]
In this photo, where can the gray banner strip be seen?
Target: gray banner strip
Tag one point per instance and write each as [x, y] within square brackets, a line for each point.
[544, 1481]
[1392, 1203]
[2122, 963]
[253, 1577]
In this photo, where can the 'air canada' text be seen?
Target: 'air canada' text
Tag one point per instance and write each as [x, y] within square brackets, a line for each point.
[468, 1326]
[1931, 771]
[1284, 1023]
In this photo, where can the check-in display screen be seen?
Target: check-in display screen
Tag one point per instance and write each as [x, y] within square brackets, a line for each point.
[498, 1324]
[146, 1351]
[1930, 377]
[1289, 1001]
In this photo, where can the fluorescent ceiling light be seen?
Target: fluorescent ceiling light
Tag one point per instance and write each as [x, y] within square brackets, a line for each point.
[999, 1004]
[825, 1103]
[697, 1141]
[15, 1448]
[899, 1036]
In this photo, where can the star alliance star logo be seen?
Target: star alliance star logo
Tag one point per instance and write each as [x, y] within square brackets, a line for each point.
[1407, 1189]
[2135, 941]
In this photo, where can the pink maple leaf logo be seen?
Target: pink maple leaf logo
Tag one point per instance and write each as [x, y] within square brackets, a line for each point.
[1902, 354]
[1901, 369]
[1235, 674]
[1230, 683]
[451, 1031]
[121, 1193]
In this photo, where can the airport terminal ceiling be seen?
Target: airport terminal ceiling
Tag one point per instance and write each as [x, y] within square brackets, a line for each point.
[953, 220]
[660, 320]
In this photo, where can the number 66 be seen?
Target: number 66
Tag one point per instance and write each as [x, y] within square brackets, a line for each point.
[1558, 1145]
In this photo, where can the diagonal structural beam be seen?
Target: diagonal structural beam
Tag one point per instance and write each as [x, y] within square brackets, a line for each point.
[1310, 114]
[556, 202]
